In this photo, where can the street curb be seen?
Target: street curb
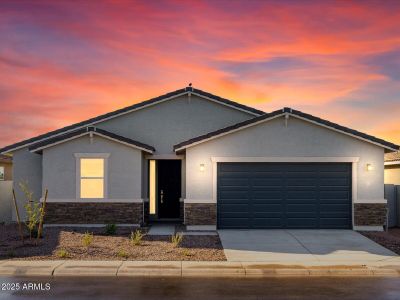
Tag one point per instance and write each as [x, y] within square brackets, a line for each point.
[187, 269]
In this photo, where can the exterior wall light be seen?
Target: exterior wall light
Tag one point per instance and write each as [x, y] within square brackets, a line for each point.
[370, 167]
[202, 167]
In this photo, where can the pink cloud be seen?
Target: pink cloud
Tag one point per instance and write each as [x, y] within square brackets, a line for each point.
[63, 62]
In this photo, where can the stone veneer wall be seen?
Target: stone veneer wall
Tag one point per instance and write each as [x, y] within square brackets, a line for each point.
[146, 212]
[370, 214]
[93, 213]
[200, 214]
[181, 210]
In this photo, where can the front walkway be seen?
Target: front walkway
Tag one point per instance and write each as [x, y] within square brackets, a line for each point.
[302, 246]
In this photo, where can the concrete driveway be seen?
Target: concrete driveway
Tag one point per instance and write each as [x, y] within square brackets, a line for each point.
[302, 246]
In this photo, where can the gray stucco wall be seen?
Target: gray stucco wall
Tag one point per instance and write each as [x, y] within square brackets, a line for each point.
[27, 167]
[273, 139]
[174, 121]
[124, 168]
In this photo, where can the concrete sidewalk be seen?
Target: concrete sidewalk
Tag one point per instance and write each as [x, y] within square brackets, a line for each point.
[196, 268]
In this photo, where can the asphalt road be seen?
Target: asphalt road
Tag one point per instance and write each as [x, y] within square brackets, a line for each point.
[202, 288]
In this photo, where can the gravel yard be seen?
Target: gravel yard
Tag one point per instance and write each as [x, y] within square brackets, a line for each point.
[389, 240]
[66, 243]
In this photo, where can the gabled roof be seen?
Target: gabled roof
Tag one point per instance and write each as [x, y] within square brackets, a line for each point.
[38, 147]
[137, 106]
[289, 112]
[392, 158]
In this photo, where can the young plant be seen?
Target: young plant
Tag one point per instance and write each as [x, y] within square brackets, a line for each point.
[122, 253]
[32, 208]
[110, 229]
[62, 253]
[136, 238]
[176, 239]
[87, 240]
[186, 252]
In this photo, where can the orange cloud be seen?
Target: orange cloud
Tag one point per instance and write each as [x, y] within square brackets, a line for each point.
[62, 62]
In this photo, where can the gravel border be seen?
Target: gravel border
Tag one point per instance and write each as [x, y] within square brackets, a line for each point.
[389, 239]
[66, 243]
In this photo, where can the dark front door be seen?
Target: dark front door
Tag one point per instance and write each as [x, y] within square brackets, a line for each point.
[169, 188]
[284, 195]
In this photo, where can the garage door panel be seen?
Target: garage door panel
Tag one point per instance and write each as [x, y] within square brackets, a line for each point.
[335, 223]
[261, 223]
[334, 195]
[267, 208]
[267, 182]
[331, 182]
[236, 215]
[302, 223]
[302, 208]
[334, 207]
[301, 182]
[234, 194]
[300, 194]
[284, 195]
[233, 207]
[234, 182]
[267, 194]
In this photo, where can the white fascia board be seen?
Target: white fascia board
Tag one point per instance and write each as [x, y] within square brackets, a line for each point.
[392, 163]
[94, 133]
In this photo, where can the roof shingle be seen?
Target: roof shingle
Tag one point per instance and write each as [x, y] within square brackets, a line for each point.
[392, 156]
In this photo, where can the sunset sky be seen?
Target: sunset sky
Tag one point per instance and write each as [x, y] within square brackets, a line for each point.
[63, 62]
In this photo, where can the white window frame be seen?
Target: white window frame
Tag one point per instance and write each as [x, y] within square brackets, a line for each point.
[4, 173]
[78, 157]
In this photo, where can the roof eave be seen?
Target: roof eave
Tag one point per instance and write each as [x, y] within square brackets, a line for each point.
[137, 106]
[148, 149]
[285, 111]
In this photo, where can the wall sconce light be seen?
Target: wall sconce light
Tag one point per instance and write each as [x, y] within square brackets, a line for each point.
[370, 167]
[202, 167]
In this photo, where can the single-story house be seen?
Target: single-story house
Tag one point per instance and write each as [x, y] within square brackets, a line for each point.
[193, 157]
[392, 168]
[5, 168]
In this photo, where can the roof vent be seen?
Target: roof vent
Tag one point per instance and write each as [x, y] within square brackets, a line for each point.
[189, 88]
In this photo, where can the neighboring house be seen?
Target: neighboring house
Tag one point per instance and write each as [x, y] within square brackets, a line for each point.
[5, 168]
[392, 168]
[209, 162]
[5, 188]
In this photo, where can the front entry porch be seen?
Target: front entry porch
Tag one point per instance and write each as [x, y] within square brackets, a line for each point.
[165, 190]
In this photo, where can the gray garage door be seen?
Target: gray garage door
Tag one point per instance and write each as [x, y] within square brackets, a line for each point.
[284, 195]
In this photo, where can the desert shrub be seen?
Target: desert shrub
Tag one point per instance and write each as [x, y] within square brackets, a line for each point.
[186, 252]
[87, 240]
[62, 253]
[136, 238]
[122, 253]
[111, 229]
[176, 239]
[32, 208]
